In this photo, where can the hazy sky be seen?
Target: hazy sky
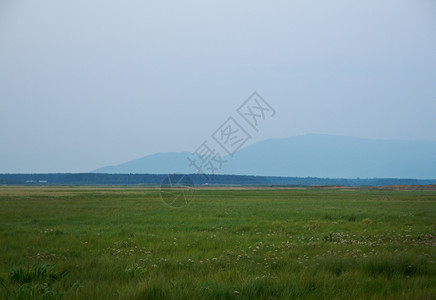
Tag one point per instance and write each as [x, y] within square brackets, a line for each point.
[84, 84]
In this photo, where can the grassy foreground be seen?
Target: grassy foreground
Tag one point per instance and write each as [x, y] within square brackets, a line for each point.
[124, 243]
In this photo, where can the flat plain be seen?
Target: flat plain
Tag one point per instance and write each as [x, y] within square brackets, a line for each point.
[125, 243]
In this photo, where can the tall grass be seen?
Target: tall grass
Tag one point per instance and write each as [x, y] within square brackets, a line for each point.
[104, 243]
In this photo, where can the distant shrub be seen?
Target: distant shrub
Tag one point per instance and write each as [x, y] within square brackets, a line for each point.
[367, 221]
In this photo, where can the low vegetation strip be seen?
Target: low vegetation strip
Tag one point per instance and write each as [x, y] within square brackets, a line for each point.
[101, 179]
[124, 243]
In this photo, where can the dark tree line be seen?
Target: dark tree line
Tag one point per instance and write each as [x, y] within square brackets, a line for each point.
[195, 179]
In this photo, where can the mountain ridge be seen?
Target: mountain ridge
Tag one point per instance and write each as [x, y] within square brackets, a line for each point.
[311, 155]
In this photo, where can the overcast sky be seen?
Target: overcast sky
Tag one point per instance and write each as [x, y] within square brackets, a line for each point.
[85, 84]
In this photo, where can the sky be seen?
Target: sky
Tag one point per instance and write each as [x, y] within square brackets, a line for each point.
[85, 84]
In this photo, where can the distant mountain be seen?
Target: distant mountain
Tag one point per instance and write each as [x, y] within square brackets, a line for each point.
[311, 155]
[160, 163]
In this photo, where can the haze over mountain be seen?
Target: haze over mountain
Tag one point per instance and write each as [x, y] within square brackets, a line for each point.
[312, 155]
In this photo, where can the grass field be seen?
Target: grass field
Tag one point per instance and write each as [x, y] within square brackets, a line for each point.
[124, 243]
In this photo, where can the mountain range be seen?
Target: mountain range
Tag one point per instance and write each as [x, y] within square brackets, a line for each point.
[312, 155]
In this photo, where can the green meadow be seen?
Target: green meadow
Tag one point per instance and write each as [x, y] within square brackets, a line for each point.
[125, 243]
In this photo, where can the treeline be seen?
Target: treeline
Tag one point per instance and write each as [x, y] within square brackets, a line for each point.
[195, 179]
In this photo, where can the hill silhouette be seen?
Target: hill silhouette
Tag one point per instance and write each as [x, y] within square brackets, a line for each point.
[313, 155]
